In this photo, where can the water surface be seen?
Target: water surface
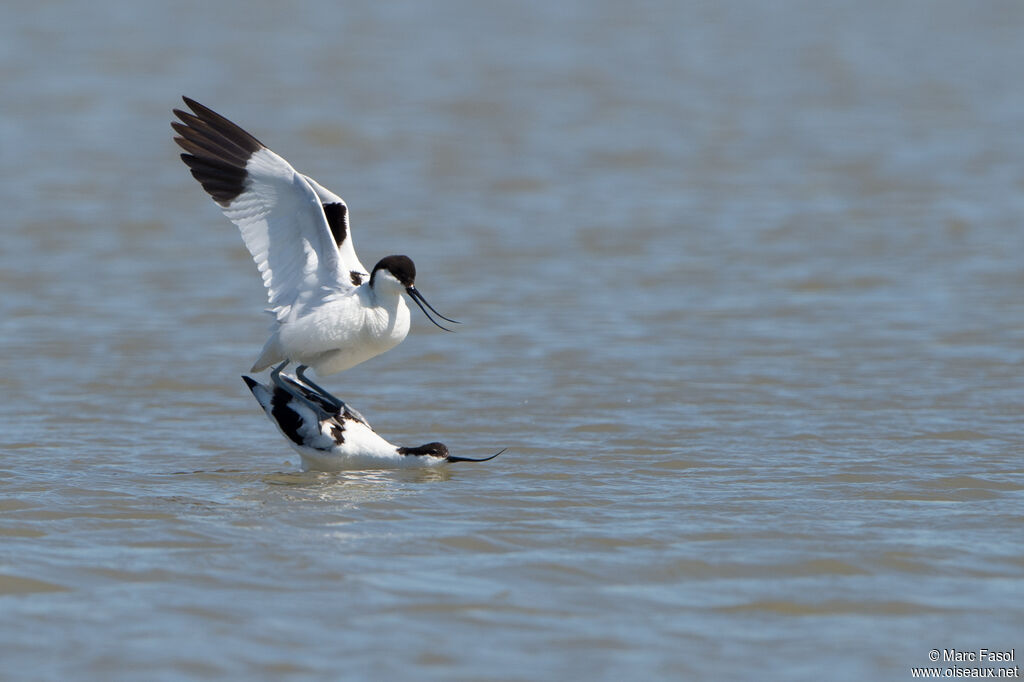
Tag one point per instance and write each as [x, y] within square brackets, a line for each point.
[741, 291]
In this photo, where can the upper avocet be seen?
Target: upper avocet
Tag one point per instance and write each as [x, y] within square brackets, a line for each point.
[331, 314]
[330, 440]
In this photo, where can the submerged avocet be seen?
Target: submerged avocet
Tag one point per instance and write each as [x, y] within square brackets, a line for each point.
[329, 440]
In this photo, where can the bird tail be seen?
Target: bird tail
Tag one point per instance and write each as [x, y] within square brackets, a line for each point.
[262, 393]
[270, 355]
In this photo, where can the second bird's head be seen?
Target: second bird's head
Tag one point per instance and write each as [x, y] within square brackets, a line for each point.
[399, 272]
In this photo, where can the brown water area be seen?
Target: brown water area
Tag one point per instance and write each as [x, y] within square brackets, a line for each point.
[741, 291]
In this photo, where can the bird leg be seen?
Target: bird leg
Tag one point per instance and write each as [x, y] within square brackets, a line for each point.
[333, 400]
[312, 400]
[275, 376]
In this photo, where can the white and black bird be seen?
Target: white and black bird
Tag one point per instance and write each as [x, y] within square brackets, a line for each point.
[336, 441]
[330, 313]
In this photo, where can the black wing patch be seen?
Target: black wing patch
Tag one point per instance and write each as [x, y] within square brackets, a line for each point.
[356, 277]
[287, 418]
[336, 219]
[338, 433]
[217, 150]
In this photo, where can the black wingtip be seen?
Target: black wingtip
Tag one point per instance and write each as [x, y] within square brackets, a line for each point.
[224, 129]
[250, 382]
[452, 458]
[198, 108]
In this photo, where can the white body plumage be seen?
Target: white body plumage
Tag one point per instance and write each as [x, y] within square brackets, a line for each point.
[342, 331]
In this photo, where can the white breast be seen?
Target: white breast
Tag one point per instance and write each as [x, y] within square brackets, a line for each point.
[345, 333]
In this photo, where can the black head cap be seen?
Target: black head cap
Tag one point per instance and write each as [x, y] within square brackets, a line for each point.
[429, 450]
[399, 266]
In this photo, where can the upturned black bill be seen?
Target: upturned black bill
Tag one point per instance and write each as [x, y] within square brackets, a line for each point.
[416, 296]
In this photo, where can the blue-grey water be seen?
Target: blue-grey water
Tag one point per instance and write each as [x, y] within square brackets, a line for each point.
[741, 290]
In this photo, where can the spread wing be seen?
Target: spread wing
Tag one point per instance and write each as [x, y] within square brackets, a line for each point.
[280, 213]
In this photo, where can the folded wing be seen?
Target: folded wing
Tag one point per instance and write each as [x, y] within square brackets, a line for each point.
[336, 211]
